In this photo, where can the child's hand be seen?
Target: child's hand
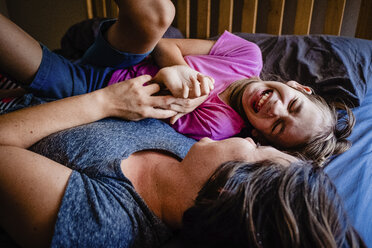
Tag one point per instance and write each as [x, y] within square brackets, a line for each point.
[185, 107]
[183, 81]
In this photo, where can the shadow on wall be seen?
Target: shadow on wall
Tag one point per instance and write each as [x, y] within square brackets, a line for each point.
[45, 20]
[3, 8]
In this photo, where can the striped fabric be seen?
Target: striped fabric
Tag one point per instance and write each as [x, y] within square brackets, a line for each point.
[7, 84]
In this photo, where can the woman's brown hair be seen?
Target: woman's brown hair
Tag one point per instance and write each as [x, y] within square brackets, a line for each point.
[264, 204]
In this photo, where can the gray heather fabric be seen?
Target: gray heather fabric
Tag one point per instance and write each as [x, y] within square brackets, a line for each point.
[100, 207]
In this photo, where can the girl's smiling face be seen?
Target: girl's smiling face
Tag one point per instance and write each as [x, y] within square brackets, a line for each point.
[281, 112]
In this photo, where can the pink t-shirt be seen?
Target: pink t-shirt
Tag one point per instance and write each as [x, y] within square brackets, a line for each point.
[230, 59]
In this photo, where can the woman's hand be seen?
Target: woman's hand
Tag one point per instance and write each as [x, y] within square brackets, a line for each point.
[133, 100]
[183, 81]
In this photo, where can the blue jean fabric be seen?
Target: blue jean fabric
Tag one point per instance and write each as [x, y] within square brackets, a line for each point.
[58, 77]
[101, 54]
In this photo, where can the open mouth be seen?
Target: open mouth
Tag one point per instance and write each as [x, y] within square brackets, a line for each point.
[261, 100]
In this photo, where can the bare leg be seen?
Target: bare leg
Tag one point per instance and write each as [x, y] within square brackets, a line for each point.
[31, 189]
[140, 25]
[20, 53]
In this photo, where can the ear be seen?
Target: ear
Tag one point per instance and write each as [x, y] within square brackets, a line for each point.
[300, 87]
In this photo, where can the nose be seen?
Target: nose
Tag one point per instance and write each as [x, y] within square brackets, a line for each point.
[277, 109]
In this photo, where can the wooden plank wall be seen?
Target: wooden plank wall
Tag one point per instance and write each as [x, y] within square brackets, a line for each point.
[101, 8]
[334, 16]
[206, 18]
[364, 27]
[303, 16]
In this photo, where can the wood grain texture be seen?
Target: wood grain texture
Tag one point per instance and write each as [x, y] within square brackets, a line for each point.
[304, 12]
[334, 17]
[249, 16]
[225, 16]
[364, 26]
[183, 17]
[215, 16]
[275, 17]
[204, 19]
[90, 13]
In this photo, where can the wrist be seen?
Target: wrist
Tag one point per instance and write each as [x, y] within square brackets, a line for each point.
[103, 106]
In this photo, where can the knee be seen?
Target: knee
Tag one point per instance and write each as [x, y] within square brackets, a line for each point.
[150, 16]
[158, 18]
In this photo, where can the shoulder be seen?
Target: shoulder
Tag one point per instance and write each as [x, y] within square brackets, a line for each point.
[236, 45]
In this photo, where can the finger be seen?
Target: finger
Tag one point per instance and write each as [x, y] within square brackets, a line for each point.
[186, 105]
[141, 79]
[185, 90]
[158, 113]
[204, 84]
[178, 108]
[152, 88]
[166, 102]
[196, 86]
[175, 118]
[211, 83]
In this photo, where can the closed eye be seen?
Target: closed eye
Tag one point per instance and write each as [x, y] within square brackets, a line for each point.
[292, 104]
[278, 127]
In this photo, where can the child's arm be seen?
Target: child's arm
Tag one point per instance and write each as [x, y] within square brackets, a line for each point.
[169, 52]
[175, 74]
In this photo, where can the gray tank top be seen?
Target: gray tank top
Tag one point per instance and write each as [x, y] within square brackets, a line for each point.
[100, 207]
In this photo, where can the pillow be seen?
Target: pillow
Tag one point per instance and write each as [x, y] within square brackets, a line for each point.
[337, 68]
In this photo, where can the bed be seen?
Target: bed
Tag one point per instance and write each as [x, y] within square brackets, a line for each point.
[324, 44]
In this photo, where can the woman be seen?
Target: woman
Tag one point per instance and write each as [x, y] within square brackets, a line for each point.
[272, 108]
[132, 187]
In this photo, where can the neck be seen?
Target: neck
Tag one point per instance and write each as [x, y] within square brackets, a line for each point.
[163, 184]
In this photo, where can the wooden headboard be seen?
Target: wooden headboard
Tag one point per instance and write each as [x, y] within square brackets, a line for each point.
[206, 18]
